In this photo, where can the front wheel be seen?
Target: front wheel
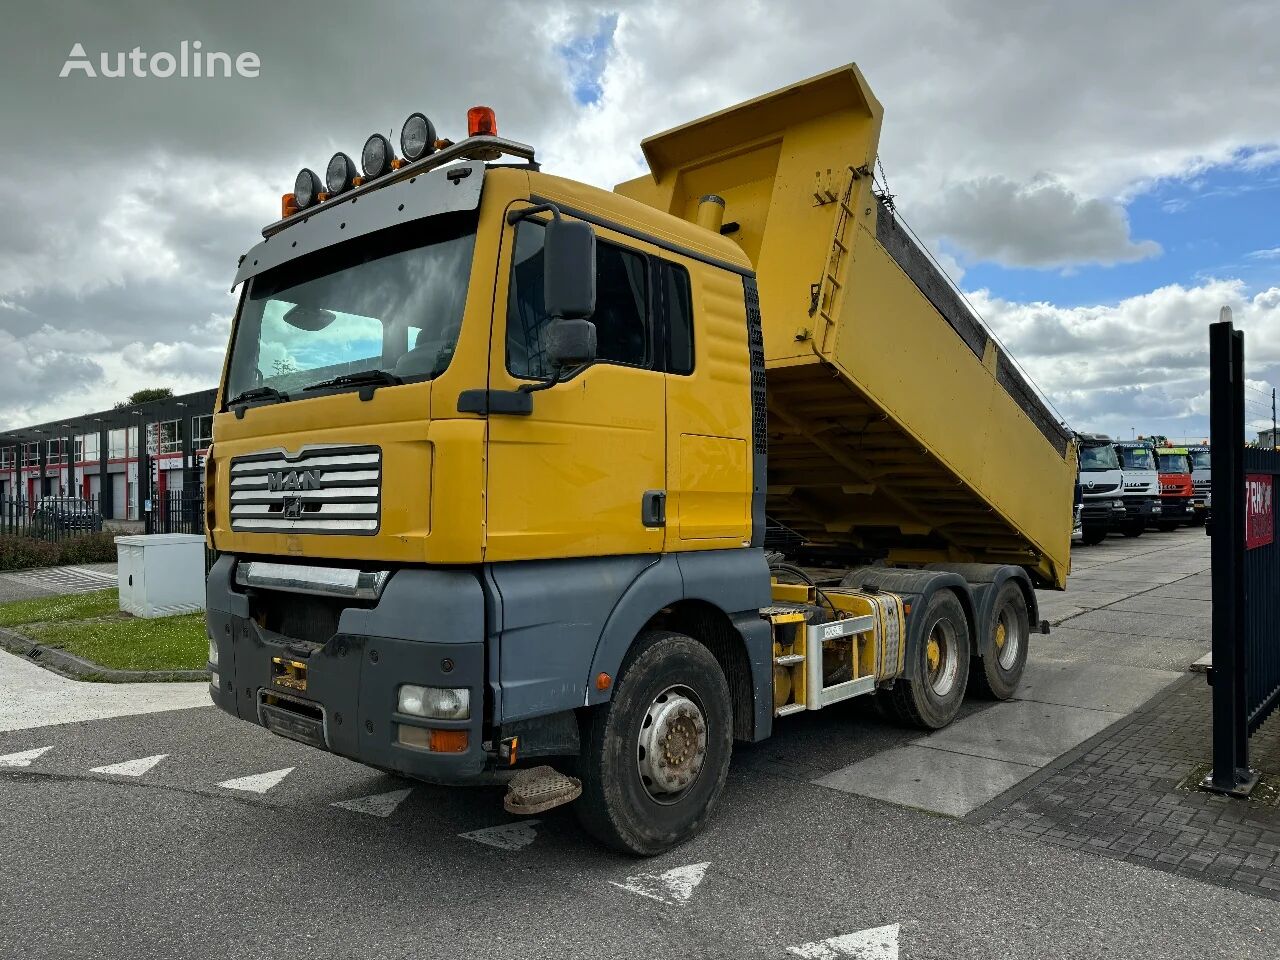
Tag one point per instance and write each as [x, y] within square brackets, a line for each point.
[655, 758]
[1168, 526]
[1133, 528]
[931, 699]
[1094, 535]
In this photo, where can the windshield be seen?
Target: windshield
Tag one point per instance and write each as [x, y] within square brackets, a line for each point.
[1138, 458]
[1098, 458]
[1200, 459]
[1174, 463]
[391, 302]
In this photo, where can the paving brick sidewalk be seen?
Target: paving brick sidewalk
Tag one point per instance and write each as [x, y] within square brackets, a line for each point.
[1123, 795]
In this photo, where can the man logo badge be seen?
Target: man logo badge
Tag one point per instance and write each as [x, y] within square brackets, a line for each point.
[293, 508]
[281, 480]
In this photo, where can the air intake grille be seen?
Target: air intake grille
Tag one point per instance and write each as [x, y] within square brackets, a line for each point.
[320, 490]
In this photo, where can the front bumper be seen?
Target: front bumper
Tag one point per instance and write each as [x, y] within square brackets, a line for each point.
[1175, 507]
[427, 628]
[1106, 511]
[1142, 508]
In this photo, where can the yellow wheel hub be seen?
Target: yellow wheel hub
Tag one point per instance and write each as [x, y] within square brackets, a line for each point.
[934, 653]
[999, 636]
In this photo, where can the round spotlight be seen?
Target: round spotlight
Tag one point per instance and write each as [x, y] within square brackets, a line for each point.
[417, 137]
[340, 173]
[305, 188]
[376, 157]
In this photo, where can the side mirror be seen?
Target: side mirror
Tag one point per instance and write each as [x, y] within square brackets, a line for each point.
[570, 343]
[569, 270]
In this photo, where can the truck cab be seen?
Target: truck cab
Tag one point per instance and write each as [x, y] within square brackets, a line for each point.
[1102, 488]
[1141, 486]
[1174, 465]
[1201, 483]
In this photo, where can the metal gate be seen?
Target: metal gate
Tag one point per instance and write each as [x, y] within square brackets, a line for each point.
[1246, 570]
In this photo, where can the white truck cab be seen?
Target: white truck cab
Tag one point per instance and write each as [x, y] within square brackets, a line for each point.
[1101, 487]
[1201, 482]
[1141, 486]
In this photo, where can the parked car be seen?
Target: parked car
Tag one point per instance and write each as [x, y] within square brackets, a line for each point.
[65, 513]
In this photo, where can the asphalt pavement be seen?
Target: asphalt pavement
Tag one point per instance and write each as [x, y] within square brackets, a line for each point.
[185, 833]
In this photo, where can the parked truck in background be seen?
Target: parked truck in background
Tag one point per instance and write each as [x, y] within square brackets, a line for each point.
[1201, 482]
[494, 451]
[1102, 488]
[1175, 487]
[1141, 486]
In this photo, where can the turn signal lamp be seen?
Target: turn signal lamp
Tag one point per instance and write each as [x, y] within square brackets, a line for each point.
[482, 122]
[340, 174]
[288, 205]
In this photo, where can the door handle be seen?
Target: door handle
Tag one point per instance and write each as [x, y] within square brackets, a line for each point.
[653, 508]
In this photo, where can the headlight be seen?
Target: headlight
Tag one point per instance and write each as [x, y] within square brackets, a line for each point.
[214, 680]
[339, 174]
[213, 652]
[305, 188]
[1117, 503]
[375, 158]
[438, 703]
[417, 137]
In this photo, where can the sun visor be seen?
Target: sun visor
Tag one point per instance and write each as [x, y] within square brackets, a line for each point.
[449, 189]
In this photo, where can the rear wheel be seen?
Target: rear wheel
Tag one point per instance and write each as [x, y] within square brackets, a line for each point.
[998, 673]
[933, 697]
[654, 759]
[1093, 535]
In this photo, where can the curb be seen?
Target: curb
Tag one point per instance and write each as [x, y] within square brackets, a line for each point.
[77, 668]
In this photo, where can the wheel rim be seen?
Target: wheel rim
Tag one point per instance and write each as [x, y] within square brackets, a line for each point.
[672, 746]
[941, 662]
[1008, 638]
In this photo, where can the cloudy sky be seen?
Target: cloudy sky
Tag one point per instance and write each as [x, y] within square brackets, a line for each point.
[1099, 177]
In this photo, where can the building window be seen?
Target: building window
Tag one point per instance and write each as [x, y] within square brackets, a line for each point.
[57, 451]
[8, 458]
[31, 454]
[201, 432]
[87, 448]
[170, 436]
[116, 445]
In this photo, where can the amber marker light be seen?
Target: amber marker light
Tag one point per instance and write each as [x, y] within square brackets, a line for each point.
[603, 681]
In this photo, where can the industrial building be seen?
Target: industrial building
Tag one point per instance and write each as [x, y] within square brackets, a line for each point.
[119, 458]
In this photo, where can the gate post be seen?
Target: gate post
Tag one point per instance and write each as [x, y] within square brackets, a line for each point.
[1230, 773]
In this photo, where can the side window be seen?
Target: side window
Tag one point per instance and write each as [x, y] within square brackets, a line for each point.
[677, 310]
[622, 309]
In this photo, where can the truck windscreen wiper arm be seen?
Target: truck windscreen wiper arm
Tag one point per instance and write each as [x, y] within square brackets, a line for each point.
[257, 393]
[363, 377]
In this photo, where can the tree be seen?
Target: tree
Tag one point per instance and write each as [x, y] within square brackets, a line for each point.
[145, 395]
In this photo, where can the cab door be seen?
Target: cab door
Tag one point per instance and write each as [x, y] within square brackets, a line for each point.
[583, 473]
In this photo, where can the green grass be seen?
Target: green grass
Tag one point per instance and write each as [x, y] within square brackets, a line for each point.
[79, 606]
[126, 643]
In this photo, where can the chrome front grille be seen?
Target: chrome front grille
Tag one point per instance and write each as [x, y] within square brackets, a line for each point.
[319, 490]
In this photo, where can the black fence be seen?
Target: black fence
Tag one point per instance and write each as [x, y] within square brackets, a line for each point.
[53, 518]
[1246, 570]
[177, 511]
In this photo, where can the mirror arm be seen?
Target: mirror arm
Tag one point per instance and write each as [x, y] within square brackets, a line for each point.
[560, 376]
[515, 216]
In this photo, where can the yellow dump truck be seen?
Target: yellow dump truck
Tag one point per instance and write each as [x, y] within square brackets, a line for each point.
[494, 452]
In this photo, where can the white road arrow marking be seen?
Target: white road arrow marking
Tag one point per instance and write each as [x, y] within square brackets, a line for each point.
[671, 886]
[878, 943]
[22, 759]
[505, 836]
[131, 768]
[258, 782]
[377, 804]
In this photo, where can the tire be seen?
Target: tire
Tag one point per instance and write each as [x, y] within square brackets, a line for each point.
[1168, 526]
[1133, 528]
[922, 702]
[619, 806]
[997, 675]
[1093, 535]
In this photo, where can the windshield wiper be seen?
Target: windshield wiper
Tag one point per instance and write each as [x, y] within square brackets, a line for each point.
[257, 393]
[365, 378]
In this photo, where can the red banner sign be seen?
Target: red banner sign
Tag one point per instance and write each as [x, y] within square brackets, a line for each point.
[1259, 523]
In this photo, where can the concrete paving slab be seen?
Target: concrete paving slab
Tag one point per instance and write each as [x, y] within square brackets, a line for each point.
[935, 780]
[1184, 589]
[1127, 573]
[1021, 731]
[1203, 665]
[1093, 686]
[1177, 606]
[1135, 650]
[1112, 620]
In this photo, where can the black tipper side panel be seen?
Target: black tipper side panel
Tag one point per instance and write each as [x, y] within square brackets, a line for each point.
[915, 263]
[759, 411]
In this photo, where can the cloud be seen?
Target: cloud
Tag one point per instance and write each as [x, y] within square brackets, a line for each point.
[1036, 224]
[1141, 363]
